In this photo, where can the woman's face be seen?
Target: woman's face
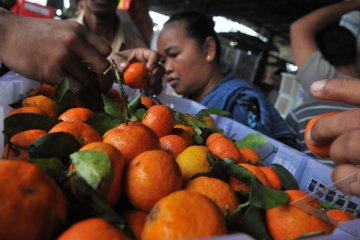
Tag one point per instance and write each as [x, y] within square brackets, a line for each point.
[186, 68]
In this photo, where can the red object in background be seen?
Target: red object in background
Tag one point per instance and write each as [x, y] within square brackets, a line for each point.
[28, 9]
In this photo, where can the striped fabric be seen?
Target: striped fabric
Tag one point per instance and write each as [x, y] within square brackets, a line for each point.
[299, 117]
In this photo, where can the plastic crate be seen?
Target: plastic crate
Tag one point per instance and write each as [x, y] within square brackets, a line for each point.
[312, 176]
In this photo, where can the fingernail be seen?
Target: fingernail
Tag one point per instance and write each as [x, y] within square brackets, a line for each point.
[317, 86]
[122, 65]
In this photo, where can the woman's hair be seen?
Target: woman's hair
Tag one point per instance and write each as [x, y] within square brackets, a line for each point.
[198, 27]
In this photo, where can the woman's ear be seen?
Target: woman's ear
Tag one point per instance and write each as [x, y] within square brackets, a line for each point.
[210, 48]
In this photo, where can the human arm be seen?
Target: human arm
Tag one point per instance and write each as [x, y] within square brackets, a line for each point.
[50, 50]
[150, 57]
[341, 130]
[303, 30]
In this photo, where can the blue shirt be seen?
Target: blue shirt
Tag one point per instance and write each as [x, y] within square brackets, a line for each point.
[248, 106]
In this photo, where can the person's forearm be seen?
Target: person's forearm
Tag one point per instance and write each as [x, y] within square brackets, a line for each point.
[322, 17]
[3, 29]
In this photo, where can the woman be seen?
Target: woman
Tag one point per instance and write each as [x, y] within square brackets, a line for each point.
[191, 52]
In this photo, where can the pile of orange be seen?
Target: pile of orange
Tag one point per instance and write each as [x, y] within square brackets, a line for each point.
[149, 171]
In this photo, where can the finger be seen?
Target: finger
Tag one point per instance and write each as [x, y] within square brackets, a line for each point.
[324, 130]
[120, 61]
[91, 50]
[337, 89]
[84, 80]
[345, 148]
[151, 58]
[347, 178]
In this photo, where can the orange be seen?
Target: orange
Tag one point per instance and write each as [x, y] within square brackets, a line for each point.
[147, 101]
[173, 144]
[83, 132]
[92, 229]
[117, 165]
[31, 204]
[320, 150]
[78, 114]
[192, 161]
[272, 176]
[190, 130]
[339, 215]
[19, 141]
[151, 176]
[132, 139]
[27, 109]
[44, 89]
[46, 104]
[240, 186]
[249, 155]
[218, 191]
[135, 220]
[115, 96]
[160, 119]
[290, 222]
[184, 215]
[136, 75]
[188, 136]
[223, 147]
[209, 121]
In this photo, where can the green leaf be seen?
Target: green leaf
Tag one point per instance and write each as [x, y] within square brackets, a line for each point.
[252, 140]
[96, 205]
[135, 102]
[52, 166]
[102, 122]
[24, 121]
[67, 102]
[139, 113]
[215, 170]
[234, 170]
[217, 111]
[286, 178]
[94, 167]
[59, 145]
[266, 198]
[61, 90]
[113, 109]
[253, 224]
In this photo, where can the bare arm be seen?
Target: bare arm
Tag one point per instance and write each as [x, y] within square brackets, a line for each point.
[50, 50]
[303, 30]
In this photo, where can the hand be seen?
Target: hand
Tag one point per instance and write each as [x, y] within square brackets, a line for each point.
[342, 130]
[150, 57]
[50, 50]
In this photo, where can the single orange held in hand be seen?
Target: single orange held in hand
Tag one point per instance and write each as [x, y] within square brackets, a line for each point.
[320, 150]
[184, 215]
[31, 203]
[151, 176]
[160, 119]
[92, 229]
[218, 191]
[132, 139]
[136, 75]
